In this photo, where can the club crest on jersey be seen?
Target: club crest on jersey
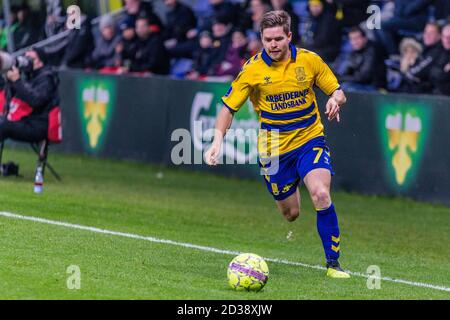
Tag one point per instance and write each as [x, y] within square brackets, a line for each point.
[300, 72]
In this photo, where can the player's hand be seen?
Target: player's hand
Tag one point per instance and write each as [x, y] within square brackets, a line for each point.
[212, 155]
[332, 110]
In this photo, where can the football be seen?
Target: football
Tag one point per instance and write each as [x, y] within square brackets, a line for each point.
[248, 272]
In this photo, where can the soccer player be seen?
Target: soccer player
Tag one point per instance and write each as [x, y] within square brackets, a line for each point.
[279, 82]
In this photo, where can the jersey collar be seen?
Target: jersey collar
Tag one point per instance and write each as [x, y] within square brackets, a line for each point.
[268, 60]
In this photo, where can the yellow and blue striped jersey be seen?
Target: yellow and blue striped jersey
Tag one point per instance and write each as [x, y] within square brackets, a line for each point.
[282, 94]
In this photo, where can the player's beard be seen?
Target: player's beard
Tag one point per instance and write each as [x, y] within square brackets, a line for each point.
[281, 55]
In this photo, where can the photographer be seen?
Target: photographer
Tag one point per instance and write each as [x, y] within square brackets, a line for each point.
[32, 93]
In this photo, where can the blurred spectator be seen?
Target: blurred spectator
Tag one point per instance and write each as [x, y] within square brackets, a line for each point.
[74, 50]
[350, 13]
[440, 70]
[180, 32]
[203, 12]
[322, 34]
[386, 14]
[207, 10]
[80, 44]
[105, 45]
[410, 51]
[6, 30]
[235, 56]
[202, 56]
[54, 22]
[295, 22]
[360, 70]
[224, 9]
[135, 9]
[213, 49]
[25, 34]
[409, 16]
[221, 32]
[150, 55]
[253, 16]
[126, 48]
[417, 78]
[254, 44]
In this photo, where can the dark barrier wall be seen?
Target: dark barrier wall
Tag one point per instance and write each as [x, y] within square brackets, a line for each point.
[385, 144]
[393, 145]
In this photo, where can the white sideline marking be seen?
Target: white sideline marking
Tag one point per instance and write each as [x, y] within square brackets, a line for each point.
[208, 249]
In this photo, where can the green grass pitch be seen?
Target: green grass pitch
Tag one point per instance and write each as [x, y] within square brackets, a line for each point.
[406, 239]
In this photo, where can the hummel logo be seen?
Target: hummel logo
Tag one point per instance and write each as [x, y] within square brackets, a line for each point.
[267, 80]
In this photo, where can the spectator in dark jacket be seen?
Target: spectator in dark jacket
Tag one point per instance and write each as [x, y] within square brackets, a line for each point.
[322, 34]
[417, 78]
[221, 31]
[431, 36]
[150, 55]
[105, 47]
[409, 16]
[80, 44]
[135, 9]
[213, 49]
[126, 48]
[360, 70]
[440, 71]
[235, 57]
[202, 56]
[180, 32]
[74, 50]
[25, 33]
[224, 9]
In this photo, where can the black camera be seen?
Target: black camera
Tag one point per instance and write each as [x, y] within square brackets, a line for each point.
[8, 61]
[9, 169]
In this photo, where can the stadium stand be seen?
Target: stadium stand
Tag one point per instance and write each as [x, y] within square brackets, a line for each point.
[197, 36]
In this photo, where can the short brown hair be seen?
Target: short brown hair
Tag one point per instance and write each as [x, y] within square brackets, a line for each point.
[278, 18]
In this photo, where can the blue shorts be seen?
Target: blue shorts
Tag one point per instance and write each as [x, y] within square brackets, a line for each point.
[295, 165]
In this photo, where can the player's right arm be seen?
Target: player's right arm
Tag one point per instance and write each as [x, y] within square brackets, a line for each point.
[328, 83]
[223, 123]
[233, 100]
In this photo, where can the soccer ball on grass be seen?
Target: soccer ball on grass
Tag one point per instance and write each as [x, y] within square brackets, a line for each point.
[248, 272]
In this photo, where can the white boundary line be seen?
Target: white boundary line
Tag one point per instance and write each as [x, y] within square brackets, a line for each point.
[205, 248]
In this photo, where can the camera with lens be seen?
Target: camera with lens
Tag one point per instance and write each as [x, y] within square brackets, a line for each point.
[8, 61]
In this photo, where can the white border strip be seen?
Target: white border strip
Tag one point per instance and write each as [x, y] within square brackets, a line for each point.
[207, 249]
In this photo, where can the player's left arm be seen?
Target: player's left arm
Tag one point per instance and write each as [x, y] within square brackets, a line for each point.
[328, 83]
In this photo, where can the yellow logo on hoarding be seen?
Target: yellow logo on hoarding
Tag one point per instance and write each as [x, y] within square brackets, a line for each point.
[96, 101]
[403, 143]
